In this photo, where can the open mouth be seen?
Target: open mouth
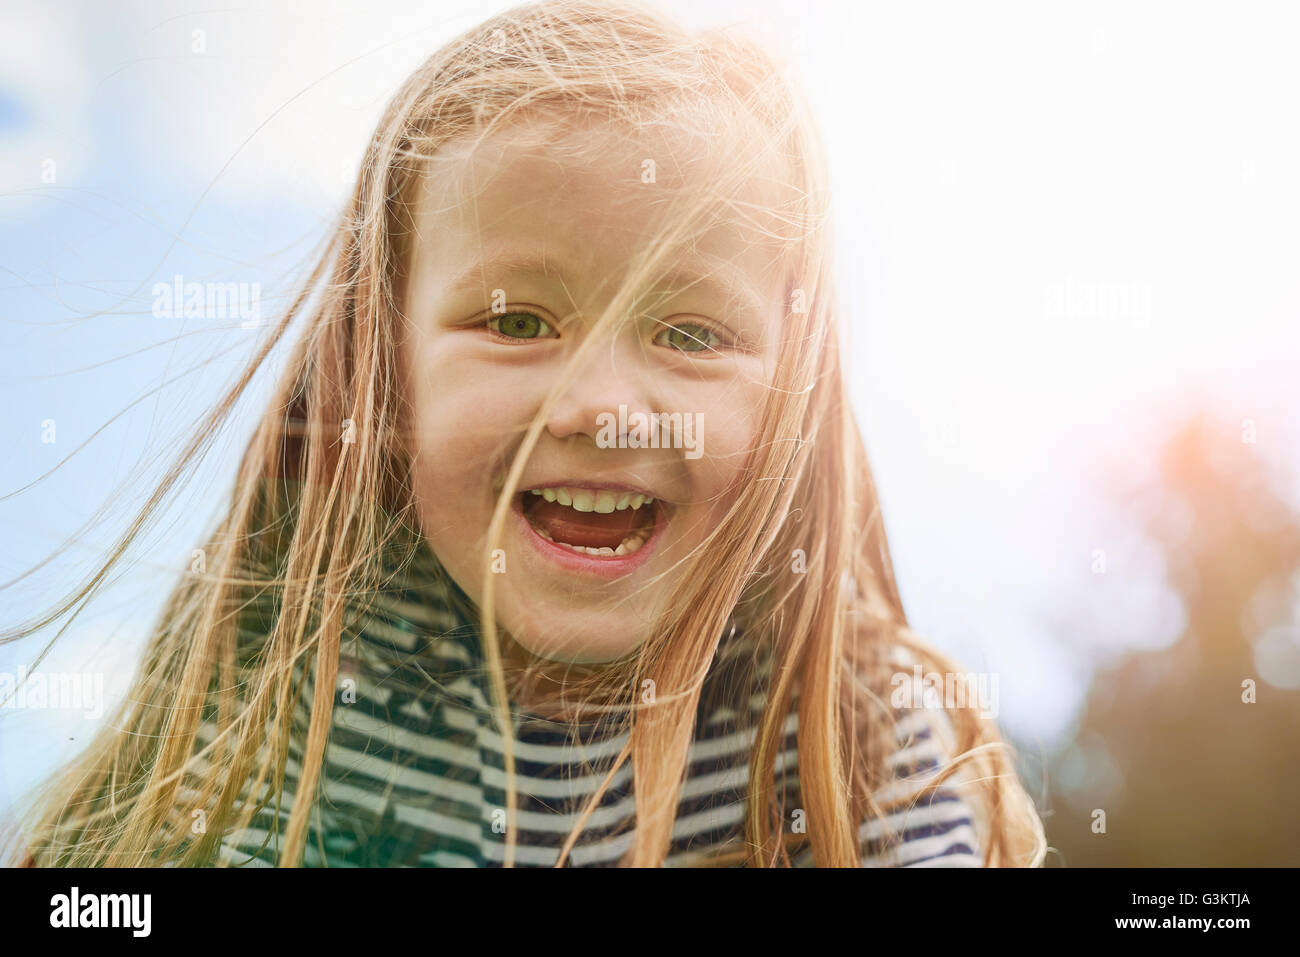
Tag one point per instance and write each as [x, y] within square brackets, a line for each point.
[603, 523]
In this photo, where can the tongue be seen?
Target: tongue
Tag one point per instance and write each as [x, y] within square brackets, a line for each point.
[590, 529]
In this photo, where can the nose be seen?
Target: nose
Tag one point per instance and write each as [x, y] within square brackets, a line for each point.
[612, 374]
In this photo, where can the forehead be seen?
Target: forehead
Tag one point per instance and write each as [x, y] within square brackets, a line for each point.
[587, 197]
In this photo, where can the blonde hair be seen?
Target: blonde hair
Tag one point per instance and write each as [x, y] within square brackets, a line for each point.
[312, 513]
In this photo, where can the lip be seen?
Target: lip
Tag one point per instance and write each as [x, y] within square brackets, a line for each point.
[613, 566]
[587, 483]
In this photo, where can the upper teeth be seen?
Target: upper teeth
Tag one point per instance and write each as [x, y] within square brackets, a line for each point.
[593, 500]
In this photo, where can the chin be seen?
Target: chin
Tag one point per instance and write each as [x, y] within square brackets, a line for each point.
[587, 637]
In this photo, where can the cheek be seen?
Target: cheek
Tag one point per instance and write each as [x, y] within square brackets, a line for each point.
[466, 411]
[462, 423]
[730, 422]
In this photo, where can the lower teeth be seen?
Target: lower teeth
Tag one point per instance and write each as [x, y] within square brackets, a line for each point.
[629, 545]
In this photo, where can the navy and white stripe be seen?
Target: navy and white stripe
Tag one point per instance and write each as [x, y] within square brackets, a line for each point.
[414, 765]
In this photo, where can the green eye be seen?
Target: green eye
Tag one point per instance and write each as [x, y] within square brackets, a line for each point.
[690, 337]
[519, 325]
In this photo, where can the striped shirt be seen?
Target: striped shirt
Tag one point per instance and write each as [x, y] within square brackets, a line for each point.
[414, 764]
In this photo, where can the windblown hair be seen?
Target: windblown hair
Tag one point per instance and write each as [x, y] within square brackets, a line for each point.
[314, 508]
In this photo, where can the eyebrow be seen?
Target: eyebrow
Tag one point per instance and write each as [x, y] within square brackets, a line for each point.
[722, 278]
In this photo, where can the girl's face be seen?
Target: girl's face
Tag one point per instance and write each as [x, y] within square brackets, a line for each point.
[517, 249]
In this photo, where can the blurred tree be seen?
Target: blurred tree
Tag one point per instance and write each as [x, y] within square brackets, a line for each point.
[1186, 772]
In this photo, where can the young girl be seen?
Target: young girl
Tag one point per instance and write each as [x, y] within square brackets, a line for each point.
[558, 544]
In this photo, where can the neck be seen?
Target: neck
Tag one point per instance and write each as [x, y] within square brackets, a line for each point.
[537, 685]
